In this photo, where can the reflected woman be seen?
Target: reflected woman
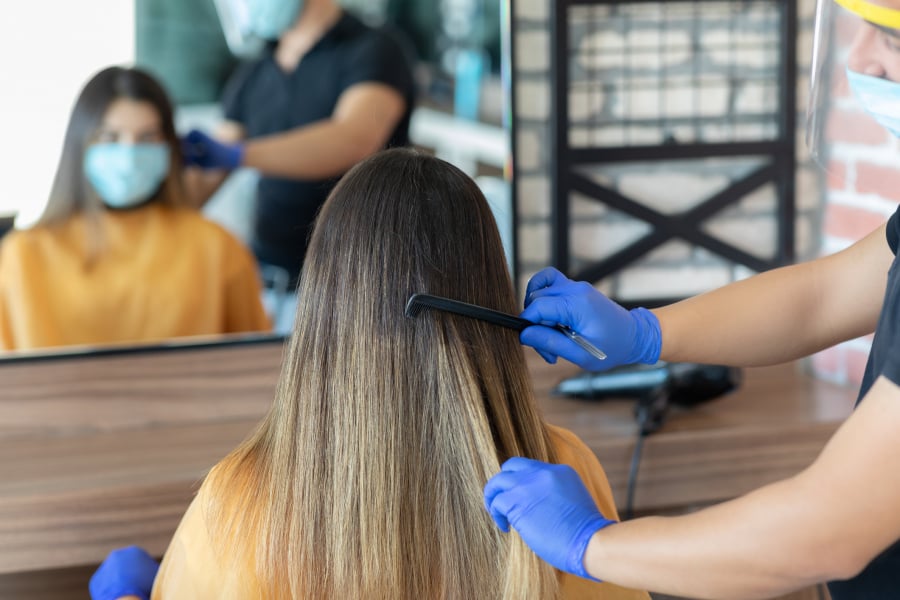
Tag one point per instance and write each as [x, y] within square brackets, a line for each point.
[117, 256]
[365, 479]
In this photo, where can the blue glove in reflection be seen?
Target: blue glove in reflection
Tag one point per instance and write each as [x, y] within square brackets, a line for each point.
[125, 572]
[626, 337]
[202, 151]
[550, 508]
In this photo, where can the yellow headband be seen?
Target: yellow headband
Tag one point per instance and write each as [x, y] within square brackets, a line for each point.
[873, 13]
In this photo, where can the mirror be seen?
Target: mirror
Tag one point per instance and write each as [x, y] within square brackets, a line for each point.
[459, 113]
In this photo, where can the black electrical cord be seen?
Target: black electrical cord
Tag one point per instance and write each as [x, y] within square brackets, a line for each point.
[650, 414]
[628, 513]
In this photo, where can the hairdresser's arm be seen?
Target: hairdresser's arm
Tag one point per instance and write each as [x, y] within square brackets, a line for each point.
[360, 125]
[782, 314]
[200, 184]
[770, 318]
[826, 523]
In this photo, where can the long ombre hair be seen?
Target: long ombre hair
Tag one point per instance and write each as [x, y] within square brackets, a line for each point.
[365, 480]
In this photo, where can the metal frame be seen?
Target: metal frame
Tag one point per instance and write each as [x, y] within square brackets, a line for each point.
[507, 75]
[779, 168]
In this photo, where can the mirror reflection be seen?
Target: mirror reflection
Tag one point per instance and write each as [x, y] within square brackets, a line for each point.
[183, 190]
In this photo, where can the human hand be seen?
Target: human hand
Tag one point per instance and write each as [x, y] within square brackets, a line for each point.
[626, 337]
[549, 507]
[125, 572]
[203, 151]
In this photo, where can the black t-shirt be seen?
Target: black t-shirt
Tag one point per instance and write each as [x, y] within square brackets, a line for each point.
[881, 578]
[267, 100]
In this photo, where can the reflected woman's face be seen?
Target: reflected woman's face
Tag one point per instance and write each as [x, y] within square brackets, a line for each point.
[130, 121]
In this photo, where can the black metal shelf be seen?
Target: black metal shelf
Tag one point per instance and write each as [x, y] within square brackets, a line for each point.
[775, 154]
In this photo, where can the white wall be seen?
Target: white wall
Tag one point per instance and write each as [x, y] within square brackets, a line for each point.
[48, 49]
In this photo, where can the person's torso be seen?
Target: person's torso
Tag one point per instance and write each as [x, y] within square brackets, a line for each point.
[273, 101]
[881, 578]
[159, 273]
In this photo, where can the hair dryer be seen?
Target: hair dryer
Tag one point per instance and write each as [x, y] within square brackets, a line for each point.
[656, 387]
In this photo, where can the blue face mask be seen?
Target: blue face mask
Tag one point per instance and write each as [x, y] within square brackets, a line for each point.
[268, 19]
[879, 97]
[126, 175]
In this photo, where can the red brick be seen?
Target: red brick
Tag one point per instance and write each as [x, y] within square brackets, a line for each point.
[856, 365]
[851, 223]
[855, 127]
[875, 179]
[837, 175]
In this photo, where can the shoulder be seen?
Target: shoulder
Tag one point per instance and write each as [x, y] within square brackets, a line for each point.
[192, 229]
[248, 75]
[893, 231]
[32, 242]
[245, 72]
[567, 444]
[13, 247]
[195, 224]
[15, 241]
[375, 48]
[190, 564]
[571, 450]
[195, 564]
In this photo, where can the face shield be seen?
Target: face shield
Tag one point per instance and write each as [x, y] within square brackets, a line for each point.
[856, 60]
[249, 24]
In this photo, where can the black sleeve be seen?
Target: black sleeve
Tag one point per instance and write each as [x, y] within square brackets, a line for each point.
[380, 57]
[884, 357]
[893, 231]
[233, 94]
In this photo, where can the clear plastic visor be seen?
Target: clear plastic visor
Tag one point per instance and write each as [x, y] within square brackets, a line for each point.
[234, 16]
[855, 69]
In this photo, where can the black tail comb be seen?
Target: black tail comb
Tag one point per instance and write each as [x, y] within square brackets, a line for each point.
[419, 302]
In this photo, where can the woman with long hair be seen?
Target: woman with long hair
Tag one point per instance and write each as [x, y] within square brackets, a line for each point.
[117, 256]
[365, 479]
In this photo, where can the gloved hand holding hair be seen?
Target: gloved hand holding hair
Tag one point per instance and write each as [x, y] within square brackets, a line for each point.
[549, 507]
[626, 337]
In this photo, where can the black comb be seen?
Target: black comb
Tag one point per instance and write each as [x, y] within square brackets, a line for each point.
[419, 302]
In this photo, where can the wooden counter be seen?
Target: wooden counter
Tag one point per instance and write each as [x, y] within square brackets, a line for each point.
[102, 451]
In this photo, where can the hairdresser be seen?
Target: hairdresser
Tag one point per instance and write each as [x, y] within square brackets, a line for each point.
[836, 521]
[326, 92]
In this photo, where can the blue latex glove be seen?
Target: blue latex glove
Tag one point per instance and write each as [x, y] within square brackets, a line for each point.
[627, 337]
[125, 572]
[550, 508]
[200, 150]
